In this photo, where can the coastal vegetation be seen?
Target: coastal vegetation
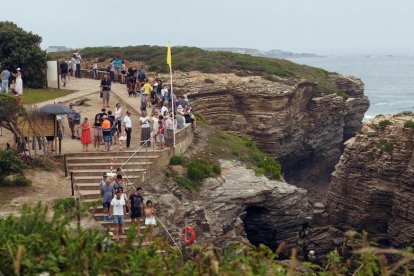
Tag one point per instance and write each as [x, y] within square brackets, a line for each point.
[11, 169]
[34, 96]
[41, 241]
[409, 124]
[194, 59]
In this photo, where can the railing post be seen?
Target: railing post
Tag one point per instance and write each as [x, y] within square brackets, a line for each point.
[71, 183]
[64, 164]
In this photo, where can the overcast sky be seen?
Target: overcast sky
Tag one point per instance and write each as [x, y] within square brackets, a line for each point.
[312, 26]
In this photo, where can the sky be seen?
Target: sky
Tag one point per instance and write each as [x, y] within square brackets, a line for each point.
[302, 26]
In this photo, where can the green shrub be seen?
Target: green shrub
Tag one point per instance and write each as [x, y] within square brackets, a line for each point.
[409, 124]
[384, 123]
[21, 181]
[209, 81]
[178, 160]
[216, 169]
[384, 145]
[65, 204]
[198, 169]
[343, 94]
[10, 163]
[186, 183]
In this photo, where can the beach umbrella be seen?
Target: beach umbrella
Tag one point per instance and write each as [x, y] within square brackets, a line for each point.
[55, 109]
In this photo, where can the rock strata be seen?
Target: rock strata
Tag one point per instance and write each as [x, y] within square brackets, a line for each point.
[288, 120]
[372, 187]
[238, 204]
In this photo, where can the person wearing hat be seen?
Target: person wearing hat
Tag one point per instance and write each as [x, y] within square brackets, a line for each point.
[19, 82]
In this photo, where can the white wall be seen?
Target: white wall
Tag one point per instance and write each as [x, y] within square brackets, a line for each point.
[52, 74]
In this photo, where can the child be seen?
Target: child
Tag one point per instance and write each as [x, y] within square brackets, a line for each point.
[150, 221]
[160, 134]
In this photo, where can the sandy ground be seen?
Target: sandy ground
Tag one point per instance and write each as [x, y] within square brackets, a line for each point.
[49, 185]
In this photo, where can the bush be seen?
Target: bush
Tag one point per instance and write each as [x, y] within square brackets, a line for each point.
[409, 124]
[216, 169]
[65, 204]
[384, 123]
[10, 163]
[186, 183]
[386, 146]
[178, 160]
[18, 181]
[198, 169]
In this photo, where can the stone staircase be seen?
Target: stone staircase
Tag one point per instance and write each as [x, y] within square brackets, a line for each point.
[87, 168]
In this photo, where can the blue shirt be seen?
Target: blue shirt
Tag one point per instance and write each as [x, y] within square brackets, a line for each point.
[107, 193]
[5, 75]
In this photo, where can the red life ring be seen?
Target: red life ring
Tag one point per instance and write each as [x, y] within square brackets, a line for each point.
[190, 240]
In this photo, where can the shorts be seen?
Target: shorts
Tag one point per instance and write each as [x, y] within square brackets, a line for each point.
[63, 75]
[118, 219]
[136, 214]
[106, 205]
[71, 124]
[160, 138]
[107, 138]
[106, 94]
[150, 221]
[97, 131]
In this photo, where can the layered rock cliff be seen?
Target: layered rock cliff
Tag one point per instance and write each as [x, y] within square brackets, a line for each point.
[288, 119]
[372, 187]
[238, 204]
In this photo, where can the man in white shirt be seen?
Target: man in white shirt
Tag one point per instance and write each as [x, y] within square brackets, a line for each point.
[128, 128]
[118, 210]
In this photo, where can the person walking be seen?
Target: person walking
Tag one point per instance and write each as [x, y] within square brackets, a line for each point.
[136, 206]
[128, 128]
[118, 117]
[118, 211]
[145, 129]
[5, 75]
[150, 221]
[19, 82]
[86, 134]
[73, 63]
[107, 194]
[64, 72]
[106, 90]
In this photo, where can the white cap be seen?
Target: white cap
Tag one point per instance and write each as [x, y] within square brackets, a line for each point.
[18, 69]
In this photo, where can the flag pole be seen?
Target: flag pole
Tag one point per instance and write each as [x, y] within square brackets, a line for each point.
[172, 90]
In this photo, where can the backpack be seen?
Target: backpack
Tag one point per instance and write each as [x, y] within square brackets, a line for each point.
[77, 118]
[136, 202]
[108, 69]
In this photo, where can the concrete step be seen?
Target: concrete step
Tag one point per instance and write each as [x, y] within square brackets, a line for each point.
[89, 194]
[98, 172]
[114, 153]
[106, 167]
[106, 159]
[127, 222]
[100, 215]
[97, 179]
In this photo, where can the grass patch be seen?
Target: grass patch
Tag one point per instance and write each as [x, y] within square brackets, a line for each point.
[194, 59]
[386, 146]
[384, 123]
[409, 124]
[178, 160]
[18, 181]
[34, 96]
[187, 183]
[226, 145]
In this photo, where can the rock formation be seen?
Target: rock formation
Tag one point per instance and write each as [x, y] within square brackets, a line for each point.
[238, 204]
[302, 129]
[372, 187]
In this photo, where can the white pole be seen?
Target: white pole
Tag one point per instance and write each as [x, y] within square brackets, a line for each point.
[172, 107]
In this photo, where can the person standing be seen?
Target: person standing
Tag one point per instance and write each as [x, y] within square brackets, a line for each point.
[107, 194]
[118, 117]
[168, 130]
[136, 206]
[106, 90]
[86, 134]
[78, 64]
[145, 129]
[107, 132]
[117, 66]
[5, 75]
[128, 128]
[150, 221]
[123, 72]
[19, 82]
[95, 71]
[73, 63]
[118, 210]
[64, 72]
[74, 120]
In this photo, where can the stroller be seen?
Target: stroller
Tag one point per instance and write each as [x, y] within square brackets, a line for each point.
[131, 85]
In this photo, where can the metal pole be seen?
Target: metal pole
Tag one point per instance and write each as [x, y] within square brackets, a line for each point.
[71, 183]
[172, 106]
[58, 77]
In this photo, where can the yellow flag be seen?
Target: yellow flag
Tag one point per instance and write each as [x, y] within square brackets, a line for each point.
[169, 55]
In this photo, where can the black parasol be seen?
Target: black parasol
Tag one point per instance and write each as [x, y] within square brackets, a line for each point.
[55, 109]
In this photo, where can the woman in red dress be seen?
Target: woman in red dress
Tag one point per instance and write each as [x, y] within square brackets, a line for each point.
[86, 134]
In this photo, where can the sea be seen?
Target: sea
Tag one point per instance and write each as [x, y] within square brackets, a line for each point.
[389, 80]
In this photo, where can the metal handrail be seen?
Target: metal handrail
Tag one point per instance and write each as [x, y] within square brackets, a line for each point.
[132, 156]
[166, 230]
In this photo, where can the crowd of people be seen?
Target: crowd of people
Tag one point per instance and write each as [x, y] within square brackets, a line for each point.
[116, 204]
[12, 82]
